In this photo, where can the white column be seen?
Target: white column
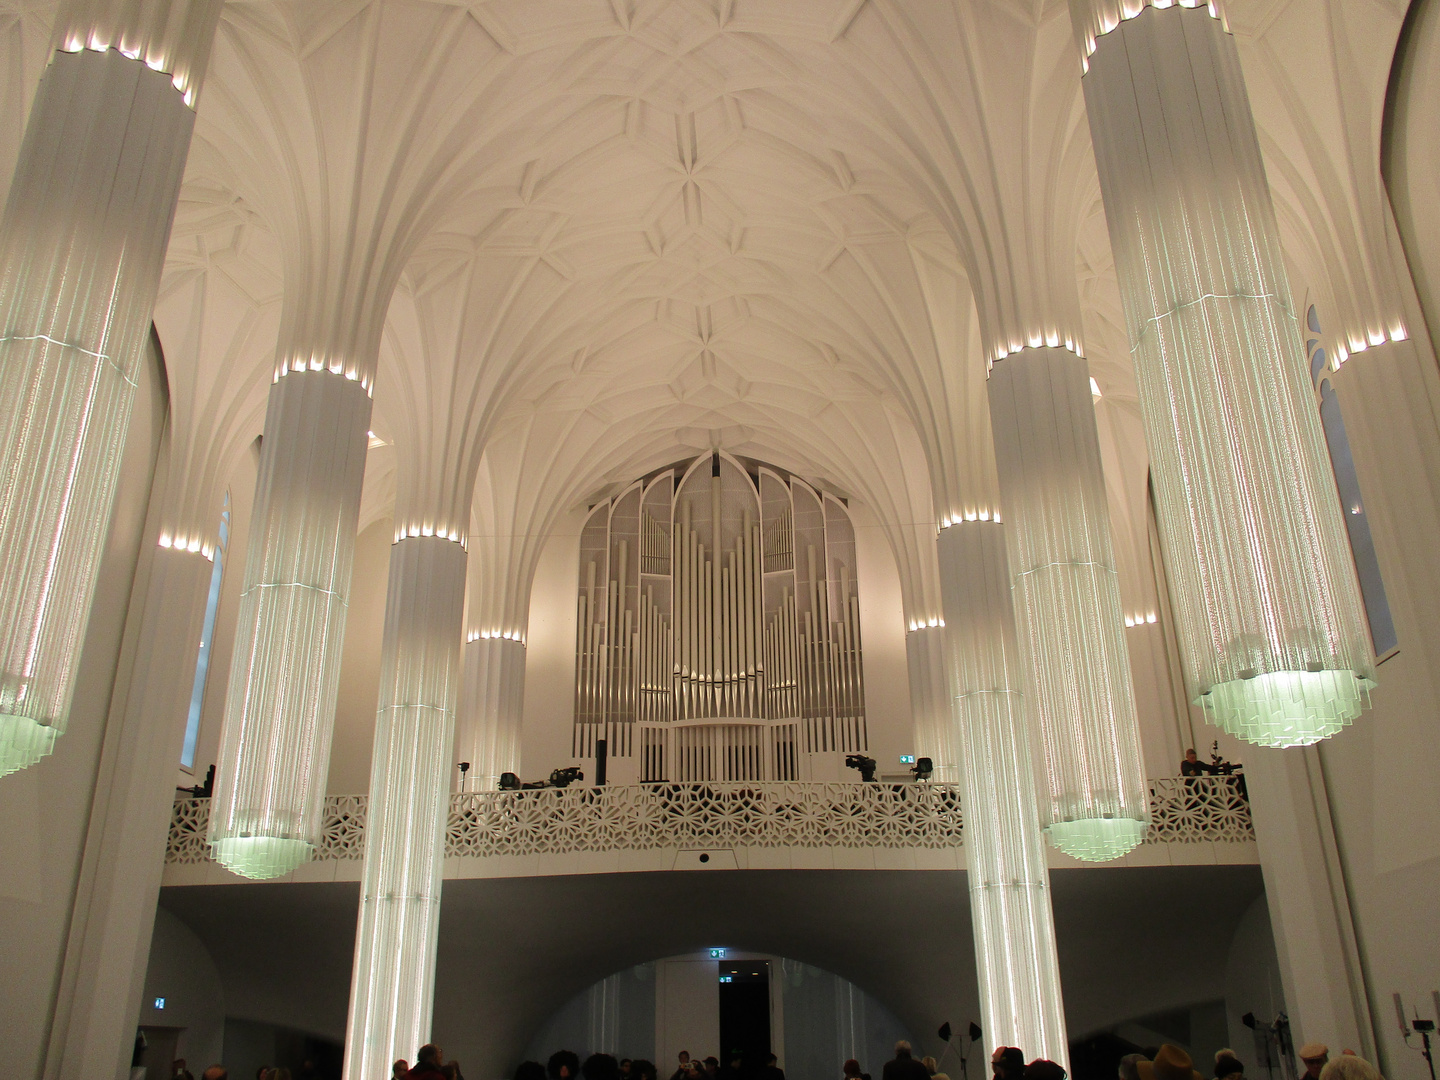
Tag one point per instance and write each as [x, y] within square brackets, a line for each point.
[1307, 895]
[82, 244]
[930, 703]
[492, 708]
[1068, 615]
[1010, 910]
[103, 973]
[280, 704]
[1268, 610]
[393, 981]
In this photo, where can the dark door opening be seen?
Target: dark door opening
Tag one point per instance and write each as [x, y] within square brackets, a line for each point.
[745, 1013]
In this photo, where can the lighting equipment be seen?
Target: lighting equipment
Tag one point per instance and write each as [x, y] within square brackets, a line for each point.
[923, 768]
[509, 782]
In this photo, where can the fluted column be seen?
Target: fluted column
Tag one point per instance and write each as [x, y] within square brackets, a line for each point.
[1068, 615]
[930, 704]
[1268, 611]
[1010, 906]
[393, 981]
[284, 679]
[492, 708]
[82, 244]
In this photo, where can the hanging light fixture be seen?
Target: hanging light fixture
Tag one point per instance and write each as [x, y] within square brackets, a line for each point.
[280, 705]
[82, 245]
[1268, 608]
[1094, 800]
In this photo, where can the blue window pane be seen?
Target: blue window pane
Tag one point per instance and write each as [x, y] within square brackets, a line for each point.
[1362, 544]
[202, 661]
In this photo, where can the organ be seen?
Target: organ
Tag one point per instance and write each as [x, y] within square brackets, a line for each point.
[718, 626]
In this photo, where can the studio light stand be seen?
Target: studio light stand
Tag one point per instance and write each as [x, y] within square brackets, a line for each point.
[1418, 1026]
[948, 1037]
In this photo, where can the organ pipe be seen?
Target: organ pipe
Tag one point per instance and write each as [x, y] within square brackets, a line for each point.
[724, 627]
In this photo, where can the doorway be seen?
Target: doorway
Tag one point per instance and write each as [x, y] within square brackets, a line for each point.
[745, 1013]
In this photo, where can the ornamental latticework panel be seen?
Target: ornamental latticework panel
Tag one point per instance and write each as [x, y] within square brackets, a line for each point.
[557, 821]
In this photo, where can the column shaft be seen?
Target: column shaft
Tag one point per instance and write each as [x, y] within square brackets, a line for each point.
[1010, 911]
[82, 244]
[1268, 610]
[284, 679]
[930, 703]
[491, 710]
[1068, 614]
[392, 986]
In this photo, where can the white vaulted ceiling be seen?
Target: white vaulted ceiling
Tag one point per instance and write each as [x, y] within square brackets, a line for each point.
[605, 234]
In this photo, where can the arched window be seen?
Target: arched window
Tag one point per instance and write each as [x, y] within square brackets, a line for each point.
[1362, 544]
[202, 661]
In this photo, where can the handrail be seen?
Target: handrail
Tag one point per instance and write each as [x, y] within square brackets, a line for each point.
[557, 821]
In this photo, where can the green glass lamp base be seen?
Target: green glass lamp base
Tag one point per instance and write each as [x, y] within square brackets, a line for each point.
[1287, 708]
[1097, 839]
[260, 857]
[23, 742]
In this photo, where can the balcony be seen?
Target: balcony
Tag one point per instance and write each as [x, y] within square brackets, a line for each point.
[780, 825]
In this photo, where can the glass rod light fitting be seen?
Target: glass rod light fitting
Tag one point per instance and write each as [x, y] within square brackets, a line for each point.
[393, 980]
[82, 244]
[284, 678]
[1268, 609]
[1010, 910]
[1068, 616]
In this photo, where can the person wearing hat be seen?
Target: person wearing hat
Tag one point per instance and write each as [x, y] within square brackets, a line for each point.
[1227, 1065]
[1171, 1063]
[1314, 1055]
[1044, 1069]
[1007, 1063]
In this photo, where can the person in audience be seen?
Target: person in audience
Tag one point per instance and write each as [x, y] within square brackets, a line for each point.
[563, 1065]
[530, 1070]
[600, 1067]
[1007, 1063]
[451, 1070]
[278, 1074]
[931, 1065]
[1228, 1065]
[772, 1070]
[640, 1069]
[679, 1073]
[1193, 766]
[851, 1070]
[1129, 1066]
[733, 1068]
[178, 1071]
[1169, 1063]
[399, 1069]
[216, 1072]
[712, 1068]
[904, 1066]
[1349, 1067]
[626, 1065]
[1044, 1069]
[1314, 1055]
[427, 1064]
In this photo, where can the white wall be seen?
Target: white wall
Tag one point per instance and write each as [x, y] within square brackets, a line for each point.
[687, 1008]
[182, 972]
[360, 662]
[882, 641]
[545, 740]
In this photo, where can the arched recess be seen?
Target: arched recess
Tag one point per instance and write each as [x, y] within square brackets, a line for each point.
[1410, 153]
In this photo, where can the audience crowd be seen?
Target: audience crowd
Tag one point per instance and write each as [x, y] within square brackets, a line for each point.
[1006, 1063]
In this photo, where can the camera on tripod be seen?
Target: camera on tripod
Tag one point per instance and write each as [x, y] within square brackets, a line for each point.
[865, 765]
